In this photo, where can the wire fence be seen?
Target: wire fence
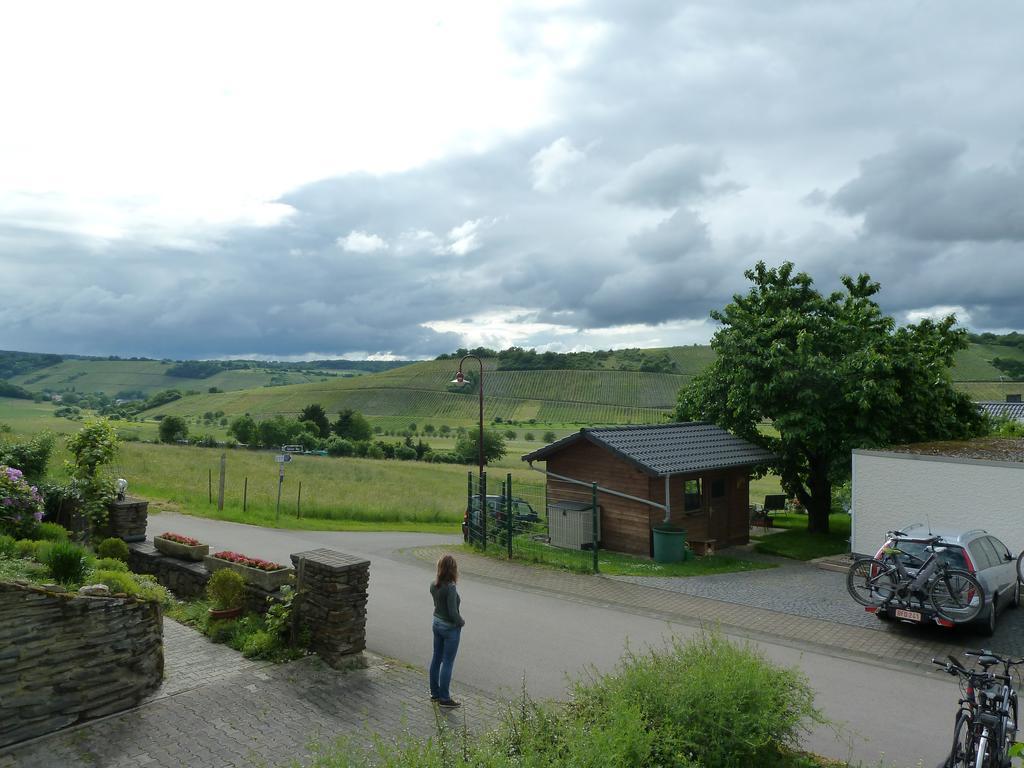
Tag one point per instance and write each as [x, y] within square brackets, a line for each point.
[557, 523]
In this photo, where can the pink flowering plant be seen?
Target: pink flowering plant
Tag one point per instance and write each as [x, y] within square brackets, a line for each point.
[180, 539]
[251, 562]
[21, 505]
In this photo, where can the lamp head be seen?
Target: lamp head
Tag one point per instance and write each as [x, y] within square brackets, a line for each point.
[459, 378]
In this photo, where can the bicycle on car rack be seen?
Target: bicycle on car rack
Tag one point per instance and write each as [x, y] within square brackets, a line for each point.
[954, 594]
[985, 727]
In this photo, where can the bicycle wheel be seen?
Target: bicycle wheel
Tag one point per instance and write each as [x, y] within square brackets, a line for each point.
[956, 596]
[1020, 567]
[871, 582]
[962, 753]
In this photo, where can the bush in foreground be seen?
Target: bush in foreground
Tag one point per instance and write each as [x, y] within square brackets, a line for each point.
[705, 703]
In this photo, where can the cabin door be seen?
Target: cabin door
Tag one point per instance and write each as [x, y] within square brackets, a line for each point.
[718, 510]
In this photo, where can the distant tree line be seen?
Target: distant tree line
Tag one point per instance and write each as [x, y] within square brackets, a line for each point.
[19, 363]
[520, 359]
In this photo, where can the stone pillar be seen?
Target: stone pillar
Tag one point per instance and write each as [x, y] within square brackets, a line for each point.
[127, 519]
[331, 602]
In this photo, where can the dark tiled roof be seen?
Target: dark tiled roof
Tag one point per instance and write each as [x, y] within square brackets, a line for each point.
[667, 449]
[999, 408]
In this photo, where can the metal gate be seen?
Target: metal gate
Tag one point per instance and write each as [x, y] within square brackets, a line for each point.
[554, 522]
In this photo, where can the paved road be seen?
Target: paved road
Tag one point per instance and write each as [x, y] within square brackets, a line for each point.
[518, 631]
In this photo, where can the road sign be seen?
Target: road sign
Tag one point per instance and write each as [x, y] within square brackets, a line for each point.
[291, 449]
[283, 458]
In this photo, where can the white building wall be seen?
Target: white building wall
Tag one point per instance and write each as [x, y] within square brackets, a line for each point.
[891, 490]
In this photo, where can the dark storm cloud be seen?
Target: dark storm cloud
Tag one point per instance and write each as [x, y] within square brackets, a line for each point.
[806, 128]
[925, 190]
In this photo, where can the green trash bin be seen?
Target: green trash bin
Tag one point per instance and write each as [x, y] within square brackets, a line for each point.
[669, 544]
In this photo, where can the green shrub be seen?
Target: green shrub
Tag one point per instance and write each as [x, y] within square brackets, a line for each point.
[66, 561]
[226, 589]
[721, 702]
[52, 532]
[259, 644]
[142, 587]
[110, 564]
[8, 546]
[25, 548]
[113, 547]
[707, 702]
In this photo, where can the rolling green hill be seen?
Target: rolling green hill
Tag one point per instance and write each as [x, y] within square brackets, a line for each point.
[423, 391]
[112, 377]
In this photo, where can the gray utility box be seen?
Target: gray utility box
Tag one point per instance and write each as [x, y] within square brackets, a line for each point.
[571, 524]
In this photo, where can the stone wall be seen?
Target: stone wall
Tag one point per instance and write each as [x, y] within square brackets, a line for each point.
[331, 602]
[66, 658]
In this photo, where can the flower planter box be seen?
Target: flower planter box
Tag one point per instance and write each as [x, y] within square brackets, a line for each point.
[181, 551]
[269, 581]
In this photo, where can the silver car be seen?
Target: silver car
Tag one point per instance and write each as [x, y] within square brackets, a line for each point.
[975, 551]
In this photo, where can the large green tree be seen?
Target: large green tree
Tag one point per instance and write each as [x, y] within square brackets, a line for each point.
[352, 425]
[468, 446]
[318, 416]
[831, 373]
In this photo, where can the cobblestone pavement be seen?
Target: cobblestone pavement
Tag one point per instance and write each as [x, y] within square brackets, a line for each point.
[217, 709]
[796, 603]
[801, 589]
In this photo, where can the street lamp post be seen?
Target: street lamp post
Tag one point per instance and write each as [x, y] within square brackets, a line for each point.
[460, 379]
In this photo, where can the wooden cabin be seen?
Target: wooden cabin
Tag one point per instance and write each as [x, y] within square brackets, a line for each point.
[692, 475]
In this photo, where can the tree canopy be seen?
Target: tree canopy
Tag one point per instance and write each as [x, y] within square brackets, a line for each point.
[831, 373]
[317, 415]
[468, 446]
[352, 425]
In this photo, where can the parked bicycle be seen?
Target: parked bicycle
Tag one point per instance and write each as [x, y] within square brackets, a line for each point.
[985, 727]
[885, 582]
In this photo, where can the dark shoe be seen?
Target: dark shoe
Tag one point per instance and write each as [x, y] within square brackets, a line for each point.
[449, 704]
[435, 698]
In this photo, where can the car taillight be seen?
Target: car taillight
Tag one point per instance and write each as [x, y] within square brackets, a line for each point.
[968, 562]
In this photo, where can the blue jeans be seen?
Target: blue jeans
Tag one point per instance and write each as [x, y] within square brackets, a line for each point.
[446, 645]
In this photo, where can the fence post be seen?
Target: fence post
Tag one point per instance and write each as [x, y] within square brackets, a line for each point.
[298, 502]
[220, 486]
[593, 517]
[209, 484]
[483, 507]
[508, 512]
[245, 494]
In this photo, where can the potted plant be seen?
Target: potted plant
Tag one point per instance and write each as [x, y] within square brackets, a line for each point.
[181, 547]
[226, 589]
[264, 574]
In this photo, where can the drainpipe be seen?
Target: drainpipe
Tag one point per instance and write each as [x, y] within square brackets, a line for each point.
[608, 491]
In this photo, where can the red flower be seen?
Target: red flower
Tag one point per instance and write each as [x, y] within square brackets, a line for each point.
[187, 540]
[251, 562]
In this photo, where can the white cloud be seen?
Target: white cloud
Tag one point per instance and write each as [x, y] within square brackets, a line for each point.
[361, 242]
[552, 164]
[938, 313]
[465, 238]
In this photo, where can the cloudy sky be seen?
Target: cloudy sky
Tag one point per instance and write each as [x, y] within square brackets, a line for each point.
[402, 178]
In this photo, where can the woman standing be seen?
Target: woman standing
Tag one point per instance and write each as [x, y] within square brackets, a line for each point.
[447, 626]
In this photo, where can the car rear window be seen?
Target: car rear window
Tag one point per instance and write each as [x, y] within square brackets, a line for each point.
[948, 554]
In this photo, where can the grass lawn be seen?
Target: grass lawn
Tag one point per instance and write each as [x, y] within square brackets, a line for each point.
[798, 544]
[615, 563]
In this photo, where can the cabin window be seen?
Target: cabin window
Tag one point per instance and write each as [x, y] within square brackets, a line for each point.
[718, 488]
[691, 496]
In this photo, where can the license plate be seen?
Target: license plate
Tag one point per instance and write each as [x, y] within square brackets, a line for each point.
[908, 615]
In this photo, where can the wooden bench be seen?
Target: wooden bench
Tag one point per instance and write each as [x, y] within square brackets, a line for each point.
[702, 546]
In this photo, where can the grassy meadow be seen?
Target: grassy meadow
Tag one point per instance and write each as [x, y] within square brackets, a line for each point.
[337, 494]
